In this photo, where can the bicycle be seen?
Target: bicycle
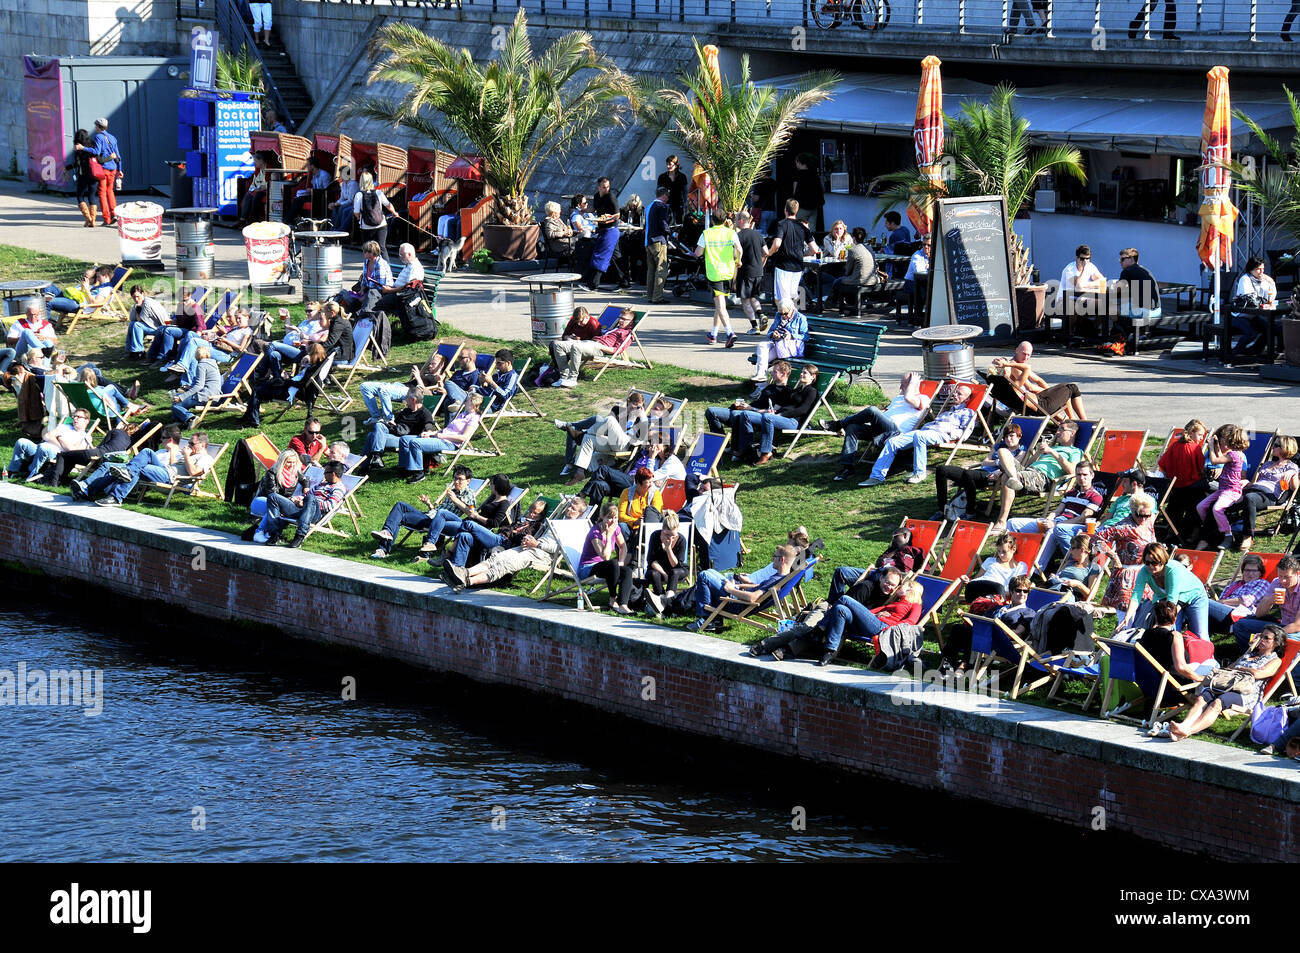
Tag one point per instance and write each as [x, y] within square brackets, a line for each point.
[865, 14]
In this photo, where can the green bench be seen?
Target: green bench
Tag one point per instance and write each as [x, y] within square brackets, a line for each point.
[843, 347]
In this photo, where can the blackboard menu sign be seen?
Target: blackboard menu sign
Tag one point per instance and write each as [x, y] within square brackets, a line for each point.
[970, 265]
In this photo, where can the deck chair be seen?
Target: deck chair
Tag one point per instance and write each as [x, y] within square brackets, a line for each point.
[1285, 673]
[236, 385]
[1174, 434]
[643, 552]
[146, 432]
[1159, 488]
[993, 640]
[363, 339]
[571, 536]
[111, 308]
[81, 397]
[190, 485]
[964, 547]
[1122, 449]
[925, 536]
[1205, 562]
[309, 389]
[223, 304]
[935, 591]
[1130, 662]
[620, 357]
[1028, 546]
[1257, 454]
[980, 426]
[774, 605]
[821, 407]
[507, 410]
[1089, 431]
[706, 452]
[467, 449]
[476, 487]
[351, 483]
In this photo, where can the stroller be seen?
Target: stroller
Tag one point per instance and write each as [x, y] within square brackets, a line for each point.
[686, 270]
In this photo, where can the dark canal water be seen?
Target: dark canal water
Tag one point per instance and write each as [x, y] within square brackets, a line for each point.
[416, 769]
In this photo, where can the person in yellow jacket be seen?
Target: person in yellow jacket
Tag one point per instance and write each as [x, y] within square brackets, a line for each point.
[720, 246]
[635, 500]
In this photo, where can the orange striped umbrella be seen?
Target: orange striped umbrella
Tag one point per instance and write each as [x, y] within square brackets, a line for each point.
[1218, 214]
[715, 73]
[927, 133]
[702, 193]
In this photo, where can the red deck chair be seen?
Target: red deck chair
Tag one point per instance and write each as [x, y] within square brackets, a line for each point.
[925, 534]
[1205, 562]
[1122, 449]
[963, 548]
[1284, 674]
[1027, 548]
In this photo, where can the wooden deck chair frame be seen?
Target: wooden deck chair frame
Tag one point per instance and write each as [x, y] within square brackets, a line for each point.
[507, 411]
[1205, 562]
[619, 358]
[1015, 651]
[1167, 681]
[235, 398]
[1122, 450]
[935, 592]
[351, 483]
[1285, 673]
[772, 608]
[925, 537]
[1161, 496]
[112, 308]
[467, 449]
[358, 364]
[565, 566]
[822, 404]
[705, 435]
[971, 535]
[979, 393]
[189, 485]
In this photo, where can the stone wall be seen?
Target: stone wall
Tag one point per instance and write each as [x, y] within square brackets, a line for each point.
[1069, 768]
[73, 28]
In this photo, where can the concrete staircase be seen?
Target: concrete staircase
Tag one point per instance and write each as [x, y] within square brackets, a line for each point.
[279, 67]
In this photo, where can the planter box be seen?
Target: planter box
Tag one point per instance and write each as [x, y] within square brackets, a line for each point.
[512, 242]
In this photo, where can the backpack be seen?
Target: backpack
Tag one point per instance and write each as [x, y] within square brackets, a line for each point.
[417, 320]
[1061, 626]
[372, 209]
[956, 507]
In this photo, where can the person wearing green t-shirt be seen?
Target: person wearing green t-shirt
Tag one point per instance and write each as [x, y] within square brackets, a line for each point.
[720, 246]
[1053, 461]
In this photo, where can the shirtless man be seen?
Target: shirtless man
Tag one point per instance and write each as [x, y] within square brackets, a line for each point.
[1060, 401]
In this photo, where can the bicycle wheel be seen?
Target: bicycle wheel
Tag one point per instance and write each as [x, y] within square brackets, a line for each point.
[825, 13]
[871, 14]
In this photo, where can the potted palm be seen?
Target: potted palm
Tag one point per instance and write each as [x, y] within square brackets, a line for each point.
[515, 111]
[733, 130]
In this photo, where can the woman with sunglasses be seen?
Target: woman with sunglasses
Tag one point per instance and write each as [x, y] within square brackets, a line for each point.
[1224, 691]
[1168, 580]
[1242, 596]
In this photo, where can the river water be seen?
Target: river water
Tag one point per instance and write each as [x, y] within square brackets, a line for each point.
[221, 751]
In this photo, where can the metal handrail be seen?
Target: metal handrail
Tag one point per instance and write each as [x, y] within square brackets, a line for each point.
[234, 31]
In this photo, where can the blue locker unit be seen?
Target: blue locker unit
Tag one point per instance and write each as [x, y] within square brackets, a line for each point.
[218, 157]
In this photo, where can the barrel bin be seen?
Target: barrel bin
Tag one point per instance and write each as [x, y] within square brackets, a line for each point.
[949, 362]
[195, 256]
[322, 264]
[550, 310]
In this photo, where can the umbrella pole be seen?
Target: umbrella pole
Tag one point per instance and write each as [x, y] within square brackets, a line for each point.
[1224, 337]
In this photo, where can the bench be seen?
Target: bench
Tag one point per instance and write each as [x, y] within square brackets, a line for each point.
[1189, 321]
[844, 347]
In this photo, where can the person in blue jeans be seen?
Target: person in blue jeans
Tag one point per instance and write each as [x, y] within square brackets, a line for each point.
[111, 483]
[787, 416]
[412, 448]
[950, 426]
[458, 501]
[530, 524]
[413, 418]
[464, 380]
[712, 586]
[310, 508]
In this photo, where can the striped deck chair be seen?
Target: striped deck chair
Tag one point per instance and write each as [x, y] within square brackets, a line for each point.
[351, 483]
[964, 547]
[190, 485]
[507, 410]
[81, 397]
[706, 452]
[236, 387]
[572, 536]
[1204, 562]
[1122, 449]
[1285, 673]
[111, 306]
[620, 357]
[1130, 662]
[925, 536]
[777, 603]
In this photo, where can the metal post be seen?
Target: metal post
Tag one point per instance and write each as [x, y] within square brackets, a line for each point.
[1254, 19]
[1096, 18]
[920, 12]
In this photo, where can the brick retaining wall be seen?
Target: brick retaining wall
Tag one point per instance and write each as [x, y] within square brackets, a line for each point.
[1055, 764]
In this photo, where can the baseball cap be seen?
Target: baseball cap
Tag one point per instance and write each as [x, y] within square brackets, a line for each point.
[101, 122]
[1136, 475]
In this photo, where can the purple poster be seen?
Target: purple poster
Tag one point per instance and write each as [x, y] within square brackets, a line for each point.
[46, 151]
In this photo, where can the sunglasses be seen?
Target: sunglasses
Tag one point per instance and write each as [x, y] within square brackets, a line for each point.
[1152, 562]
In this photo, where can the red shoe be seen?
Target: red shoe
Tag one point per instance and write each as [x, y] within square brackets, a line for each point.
[764, 458]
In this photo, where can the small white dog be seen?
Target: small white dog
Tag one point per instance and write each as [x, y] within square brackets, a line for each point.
[448, 252]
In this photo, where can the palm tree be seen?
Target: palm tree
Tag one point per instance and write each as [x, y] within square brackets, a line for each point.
[734, 130]
[239, 72]
[1276, 190]
[515, 111]
[986, 151]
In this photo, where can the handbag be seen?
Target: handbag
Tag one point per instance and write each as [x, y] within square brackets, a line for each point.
[788, 347]
[1229, 680]
[96, 169]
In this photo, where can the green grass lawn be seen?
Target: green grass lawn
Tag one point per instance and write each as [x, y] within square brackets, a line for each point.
[855, 523]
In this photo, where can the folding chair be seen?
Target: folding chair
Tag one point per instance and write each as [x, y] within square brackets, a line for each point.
[1122, 449]
[351, 483]
[976, 403]
[1174, 434]
[771, 607]
[220, 307]
[81, 397]
[964, 547]
[111, 308]
[619, 358]
[647, 530]
[235, 385]
[1159, 488]
[1088, 432]
[1204, 562]
[310, 388]
[571, 535]
[1257, 454]
[674, 495]
[1028, 546]
[507, 410]
[467, 449]
[1130, 662]
[824, 385]
[143, 435]
[925, 536]
[706, 452]
[935, 591]
[1284, 673]
[363, 339]
[189, 485]
[992, 639]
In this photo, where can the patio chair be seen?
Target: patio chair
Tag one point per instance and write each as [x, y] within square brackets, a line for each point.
[571, 536]
[620, 357]
[1204, 562]
[507, 410]
[706, 452]
[925, 537]
[1130, 662]
[188, 485]
[351, 483]
[1122, 449]
[236, 386]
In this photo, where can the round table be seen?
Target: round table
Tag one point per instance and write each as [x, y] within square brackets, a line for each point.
[550, 303]
[14, 294]
[946, 355]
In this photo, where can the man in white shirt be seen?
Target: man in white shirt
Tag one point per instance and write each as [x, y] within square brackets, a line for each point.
[63, 437]
[33, 331]
[412, 270]
[148, 317]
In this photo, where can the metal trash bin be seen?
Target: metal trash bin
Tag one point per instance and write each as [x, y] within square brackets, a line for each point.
[550, 304]
[322, 264]
[195, 254]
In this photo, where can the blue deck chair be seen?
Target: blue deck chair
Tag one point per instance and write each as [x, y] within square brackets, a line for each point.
[993, 640]
[1130, 662]
[706, 453]
[222, 305]
[772, 608]
[236, 385]
[935, 591]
